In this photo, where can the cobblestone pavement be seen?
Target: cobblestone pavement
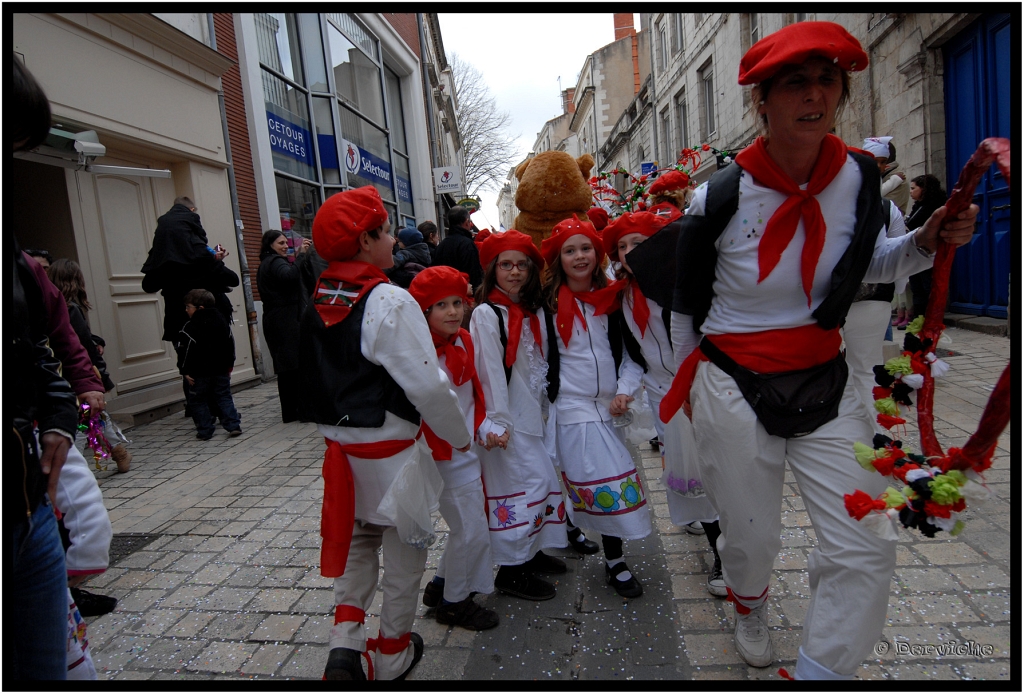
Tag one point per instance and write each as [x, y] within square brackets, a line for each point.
[229, 587]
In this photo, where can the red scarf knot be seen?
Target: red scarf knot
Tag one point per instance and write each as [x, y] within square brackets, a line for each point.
[604, 301]
[515, 324]
[801, 204]
[461, 366]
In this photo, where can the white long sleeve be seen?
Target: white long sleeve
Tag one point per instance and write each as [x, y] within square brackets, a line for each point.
[896, 258]
[684, 338]
[490, 367]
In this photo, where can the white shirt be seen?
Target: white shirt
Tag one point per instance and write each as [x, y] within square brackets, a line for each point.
[655, 346]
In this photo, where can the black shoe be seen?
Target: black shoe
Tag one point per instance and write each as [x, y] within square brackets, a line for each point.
[417, 652]
[630, 588]
[432, 594]
[581, 544]
[654, 444]
[343, 664]
[92, 605]
[467, 614]
[546, 564]
[517, 581]
[204, 438]
[234, 432]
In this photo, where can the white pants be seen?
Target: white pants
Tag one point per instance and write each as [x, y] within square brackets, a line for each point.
[403, 569]
[863, 333]
[743, 469]
[465, 565]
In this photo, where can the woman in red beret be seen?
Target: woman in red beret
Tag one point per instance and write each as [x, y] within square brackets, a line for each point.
[769, 285]
[525, 509]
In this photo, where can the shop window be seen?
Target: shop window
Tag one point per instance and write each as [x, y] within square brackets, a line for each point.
[313, 52]
[278, 44]
[355, 31]
[297, 203]
[356, 77]
[366, 156]
[395, 111]
[287, 119]
[326, 143]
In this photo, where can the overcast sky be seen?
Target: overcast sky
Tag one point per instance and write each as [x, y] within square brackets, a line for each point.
[521, 57]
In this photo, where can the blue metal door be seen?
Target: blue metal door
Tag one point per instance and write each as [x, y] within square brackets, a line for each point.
[978, 88]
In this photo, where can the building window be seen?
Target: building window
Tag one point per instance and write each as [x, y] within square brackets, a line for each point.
[801, 16]
[662, 48]
[677, 32]
[666, 139]
[297, 204]
[313, 52]
[755, 28]
[288, 122]
[698, 17]
[278, 44]
[399, 142]
[682, 128]
[356, 77]
[706, 76]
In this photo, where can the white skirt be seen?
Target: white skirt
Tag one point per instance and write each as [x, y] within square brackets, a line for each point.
[466, 564]
[601, 481]
[525, 509]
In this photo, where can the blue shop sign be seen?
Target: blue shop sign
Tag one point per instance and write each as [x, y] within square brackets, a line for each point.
[366, 165]
[404, 189]
[328, 151]
[289, 139]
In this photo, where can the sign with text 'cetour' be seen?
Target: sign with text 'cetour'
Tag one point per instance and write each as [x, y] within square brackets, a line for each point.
[447, 179]
[289, 139]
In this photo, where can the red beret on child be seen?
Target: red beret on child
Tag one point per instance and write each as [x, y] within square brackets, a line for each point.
[794, 44]
[436, 283]
[598, 217]
[670, 180]
[511, 240]
[481, 236]
[645, 223]
[342, 218]
[552, 246]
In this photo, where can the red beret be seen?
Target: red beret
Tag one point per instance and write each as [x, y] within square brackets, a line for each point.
[670, 180]
[511, 240]
[644, 223]
[794, 44]
[666, 211]
[552, 246]
[342, 218]
[436, 283]
[481, 236]
[599, 217]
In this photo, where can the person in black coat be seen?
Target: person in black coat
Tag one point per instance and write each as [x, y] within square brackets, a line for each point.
[429, 231]
[928, 196]
[280, 289]
[457, 250]
[413, 255]
[67, 276]
[205, 360]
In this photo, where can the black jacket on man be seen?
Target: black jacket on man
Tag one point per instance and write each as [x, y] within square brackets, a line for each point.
[457, 250]
[179, 262]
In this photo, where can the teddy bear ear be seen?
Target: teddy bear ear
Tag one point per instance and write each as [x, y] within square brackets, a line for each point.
[586, 163]
[521, 169]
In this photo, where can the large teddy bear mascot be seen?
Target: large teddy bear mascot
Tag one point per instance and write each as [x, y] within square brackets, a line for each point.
[552, 186]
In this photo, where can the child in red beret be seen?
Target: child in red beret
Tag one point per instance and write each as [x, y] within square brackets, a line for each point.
[595, 382]
[465, 566]
[371, 373]
[525, 509]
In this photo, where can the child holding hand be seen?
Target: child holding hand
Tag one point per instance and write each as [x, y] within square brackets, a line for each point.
[465, 566]
[594, 382]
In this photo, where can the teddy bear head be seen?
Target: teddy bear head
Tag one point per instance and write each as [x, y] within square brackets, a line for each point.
[552, 186]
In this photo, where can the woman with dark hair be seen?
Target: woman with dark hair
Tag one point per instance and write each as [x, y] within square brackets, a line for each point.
[67, 276]
[279, 287]
[928, 196]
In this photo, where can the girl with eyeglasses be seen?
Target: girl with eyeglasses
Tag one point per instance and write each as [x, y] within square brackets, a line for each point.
[525, 509]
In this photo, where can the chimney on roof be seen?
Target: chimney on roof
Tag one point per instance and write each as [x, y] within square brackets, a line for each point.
[623, 25]
[568, 105]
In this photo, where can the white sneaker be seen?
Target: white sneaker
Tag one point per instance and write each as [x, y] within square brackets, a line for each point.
[753, 639]
[694, 528]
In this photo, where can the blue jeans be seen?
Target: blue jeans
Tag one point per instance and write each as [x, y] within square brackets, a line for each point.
[36, 598]
[218, 389]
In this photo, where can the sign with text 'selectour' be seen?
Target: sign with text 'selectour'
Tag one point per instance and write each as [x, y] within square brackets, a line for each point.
[364, 164]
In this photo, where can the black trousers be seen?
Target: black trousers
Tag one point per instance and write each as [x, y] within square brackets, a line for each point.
[289, 392]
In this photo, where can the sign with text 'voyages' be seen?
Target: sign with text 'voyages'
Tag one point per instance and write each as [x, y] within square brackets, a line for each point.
[447, 179]
[289, 139]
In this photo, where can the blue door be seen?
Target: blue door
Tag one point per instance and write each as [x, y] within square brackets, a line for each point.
[978, 84]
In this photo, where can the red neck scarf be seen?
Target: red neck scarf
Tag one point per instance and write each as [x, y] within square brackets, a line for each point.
[341, 286]
[603, 300]
[515, 324]
[641, 311]
[800, 203]
[459, 362]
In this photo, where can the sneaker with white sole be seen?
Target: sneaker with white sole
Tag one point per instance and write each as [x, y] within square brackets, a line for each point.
[716, 582]
[694, 528]
[753, 638]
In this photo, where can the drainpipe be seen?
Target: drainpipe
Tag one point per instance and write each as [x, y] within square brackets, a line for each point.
[434, 157]
[243, 263]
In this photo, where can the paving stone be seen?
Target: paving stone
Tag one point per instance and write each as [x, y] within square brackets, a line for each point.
[282, 577]
[949, 553]
[169, 654]
[156, 622]
[926, 580]
[995, 637]
[985, 577]
[941, 608]
[711, 649]
[139, 600]
[315, 602]
[187, 596]
[990, 671]
[119, 651]
[307, 662]
[317, 629]
[214, 573]
[165, 580]
[992, 607]
[223, 656]
[278, 627]
[694, 614]
[228, 599]
[191, 624]
[233, 626]
[267, 659]
[275, 599]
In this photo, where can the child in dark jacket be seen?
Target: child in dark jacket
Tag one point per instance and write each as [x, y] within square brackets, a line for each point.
[205, 359]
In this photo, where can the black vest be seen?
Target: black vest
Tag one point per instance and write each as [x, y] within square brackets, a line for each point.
[344, 387]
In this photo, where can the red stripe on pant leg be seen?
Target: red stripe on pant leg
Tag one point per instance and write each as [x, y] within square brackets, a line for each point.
[737, 600]
[348, 613]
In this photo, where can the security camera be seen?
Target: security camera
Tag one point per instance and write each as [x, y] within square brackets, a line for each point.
[90, 149]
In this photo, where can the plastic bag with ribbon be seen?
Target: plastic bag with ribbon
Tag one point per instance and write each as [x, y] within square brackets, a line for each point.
[641, 429]
[412, 498]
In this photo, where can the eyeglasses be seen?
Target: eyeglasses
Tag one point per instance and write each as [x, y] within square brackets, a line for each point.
[507, 265]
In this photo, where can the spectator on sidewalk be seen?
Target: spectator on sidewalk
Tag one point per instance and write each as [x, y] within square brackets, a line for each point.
[413, 256]
[205, 360]
[457, 250]
[41, 256]
[280, 288]
[928, 195]
[67, 276]
[371, 372]
[429, 231]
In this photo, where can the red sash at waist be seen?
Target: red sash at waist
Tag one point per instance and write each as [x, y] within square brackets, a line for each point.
[339, 509]
[768, 351]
